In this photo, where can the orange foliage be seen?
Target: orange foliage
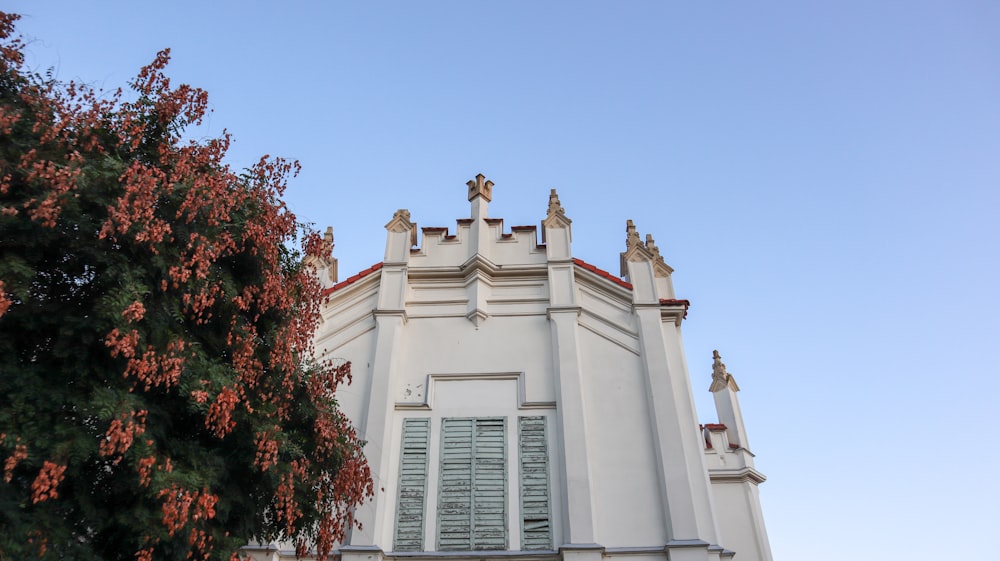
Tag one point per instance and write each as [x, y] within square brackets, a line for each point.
[267, 371]
[49, 478]
[122, 433]
[20, 453]
[181, 506]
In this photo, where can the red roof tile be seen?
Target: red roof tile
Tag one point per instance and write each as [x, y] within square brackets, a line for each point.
[602, 272]
[352, 279]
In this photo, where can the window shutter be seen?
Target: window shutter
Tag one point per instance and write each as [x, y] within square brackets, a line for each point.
[412, 485]
[489, 516]
[472, 506]
[455, 499]
[536, 525]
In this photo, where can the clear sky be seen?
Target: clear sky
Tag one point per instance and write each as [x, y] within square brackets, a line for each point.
[823, 176]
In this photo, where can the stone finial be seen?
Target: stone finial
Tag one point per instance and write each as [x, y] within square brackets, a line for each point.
[554, 207]
[651, 245]
[401, 223]
[631, 236]
[633, 247]
[720, 378]
[661, 267]
[636, 250]
[556, 217]
[332, 269]
[325, 266]
[480, 187]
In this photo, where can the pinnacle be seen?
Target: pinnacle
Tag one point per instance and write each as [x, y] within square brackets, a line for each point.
[480, 187]
[631, 235]
[721, 379]
[555, 208]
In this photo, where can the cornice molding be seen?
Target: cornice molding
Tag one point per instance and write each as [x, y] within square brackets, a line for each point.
[739, 475]
[389, 314]
[576, 310]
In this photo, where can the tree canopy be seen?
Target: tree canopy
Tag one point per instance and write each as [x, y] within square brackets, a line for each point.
[158, 397]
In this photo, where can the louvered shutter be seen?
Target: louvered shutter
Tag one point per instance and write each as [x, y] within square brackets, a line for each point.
[536, 523]
[455, 490]
[412, 485]
[472, 504]
[489, 497]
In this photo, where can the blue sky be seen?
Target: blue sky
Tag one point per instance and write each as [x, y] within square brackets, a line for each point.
[824, 178]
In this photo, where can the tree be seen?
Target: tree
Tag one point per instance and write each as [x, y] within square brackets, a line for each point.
[157, 396]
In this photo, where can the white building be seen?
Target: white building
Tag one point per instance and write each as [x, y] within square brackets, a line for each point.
[521, 403]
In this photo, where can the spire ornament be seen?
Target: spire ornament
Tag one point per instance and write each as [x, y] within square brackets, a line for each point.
[480, 187]
[324, 266]
[720, 378]
[556, 216]
[332, 269]
[636, 250]
[651, 245]
[632, 240]
[554, 206]
[660, 266]
[401, 223]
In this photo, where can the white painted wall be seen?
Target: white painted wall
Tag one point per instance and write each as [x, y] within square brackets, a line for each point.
[473, 335]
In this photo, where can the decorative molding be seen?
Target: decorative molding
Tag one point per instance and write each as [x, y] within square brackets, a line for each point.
[632, 338]
[673, 312]
[483, 555]
[738, 475]
[477, 317]
[581, 547]
[364, 548]
[467, 271]
[562, 310]
[390, 313]
[350, 331]
[433, 379]
[648, 550]
[682, 544]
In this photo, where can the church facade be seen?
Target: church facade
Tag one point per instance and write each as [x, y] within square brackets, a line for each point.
[521, 403]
